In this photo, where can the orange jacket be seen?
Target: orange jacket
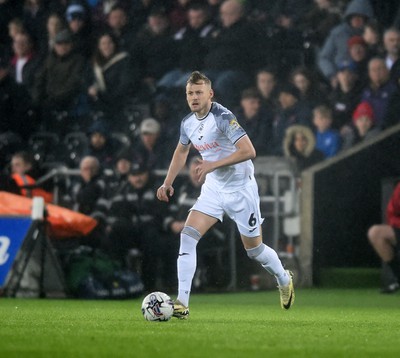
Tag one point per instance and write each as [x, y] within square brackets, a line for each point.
[23, 180]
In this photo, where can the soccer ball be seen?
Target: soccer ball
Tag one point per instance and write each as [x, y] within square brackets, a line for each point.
[157, 306]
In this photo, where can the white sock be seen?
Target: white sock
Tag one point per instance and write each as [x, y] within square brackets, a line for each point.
[187, 262]
[269, 259]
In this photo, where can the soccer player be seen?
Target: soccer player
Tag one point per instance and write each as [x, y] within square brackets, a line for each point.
[229, 188]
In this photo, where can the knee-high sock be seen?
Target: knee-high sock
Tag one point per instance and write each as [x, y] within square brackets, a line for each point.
[269, 259]
[187, 262]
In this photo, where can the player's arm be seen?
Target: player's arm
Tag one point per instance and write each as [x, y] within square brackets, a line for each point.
[244, 151]
[177, 163]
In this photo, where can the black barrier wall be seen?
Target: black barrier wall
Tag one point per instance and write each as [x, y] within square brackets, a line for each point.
[342, 198]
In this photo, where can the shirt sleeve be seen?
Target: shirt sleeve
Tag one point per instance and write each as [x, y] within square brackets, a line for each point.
[183, 138]
[229, 125]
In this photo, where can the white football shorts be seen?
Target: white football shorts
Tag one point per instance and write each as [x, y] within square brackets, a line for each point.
[243, 207]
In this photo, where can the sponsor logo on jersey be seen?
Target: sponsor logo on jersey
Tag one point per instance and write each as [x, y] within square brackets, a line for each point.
[206, 146]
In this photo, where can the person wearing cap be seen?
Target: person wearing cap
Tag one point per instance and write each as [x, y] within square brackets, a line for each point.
[335, 49]
[364, 126]
[58, 84]
[359, 55]
[344, 98]
[292, 111]
[80, 27]
[149, 148]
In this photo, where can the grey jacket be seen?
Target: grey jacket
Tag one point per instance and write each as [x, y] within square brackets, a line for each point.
[334, 50]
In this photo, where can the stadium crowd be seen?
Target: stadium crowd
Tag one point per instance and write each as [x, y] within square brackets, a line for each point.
[99, 85]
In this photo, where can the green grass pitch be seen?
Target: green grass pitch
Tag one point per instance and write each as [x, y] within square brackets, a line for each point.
[322, 323]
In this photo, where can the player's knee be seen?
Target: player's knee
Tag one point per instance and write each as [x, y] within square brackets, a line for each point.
[191, 232]
[373, 235]
[255, 251]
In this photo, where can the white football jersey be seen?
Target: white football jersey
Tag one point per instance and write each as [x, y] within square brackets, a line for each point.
[214, 136]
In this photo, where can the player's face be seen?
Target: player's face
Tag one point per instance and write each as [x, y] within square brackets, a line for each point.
[198, 97]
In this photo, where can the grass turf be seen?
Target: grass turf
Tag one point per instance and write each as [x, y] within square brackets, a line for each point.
[322, 323]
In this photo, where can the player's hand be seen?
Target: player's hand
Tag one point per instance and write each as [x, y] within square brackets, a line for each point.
[164, 192]
[202, 169]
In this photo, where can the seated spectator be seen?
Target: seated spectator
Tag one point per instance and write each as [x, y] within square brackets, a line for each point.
[101, 145]
[190, 44]
[9, 10]
[372, 36]
[345, 97]
[334, 50]
[385, 239]
[328, 140]
[119, 180]
[391, 44]
[230, 54]
[134, 219]
[155, 49]
[118, 23]
[58, 85]
[149, 150]
[359, 55]
[25, 61]
[364, 126]
[55, 23]
[78, 23]
[291, 111]
[16, 115]
[299, 147]
[305, 80]
[111, 78]
[256, 122]
[267, 85]
[84, 195]
[24, 171]
[379, 89]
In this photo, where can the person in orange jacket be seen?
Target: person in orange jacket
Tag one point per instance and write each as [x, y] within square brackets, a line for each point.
[22, 171]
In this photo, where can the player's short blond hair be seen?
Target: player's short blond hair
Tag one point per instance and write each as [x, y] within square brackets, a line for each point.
[197, 78]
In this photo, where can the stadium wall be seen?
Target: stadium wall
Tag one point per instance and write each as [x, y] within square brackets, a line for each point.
[341, 198]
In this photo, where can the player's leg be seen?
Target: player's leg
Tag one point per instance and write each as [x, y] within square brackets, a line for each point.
[197, 224]
[383, 238]
[244, 208]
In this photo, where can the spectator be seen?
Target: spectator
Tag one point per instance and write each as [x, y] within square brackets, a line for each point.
[310, 89]
[24, 172]
[118, 24]
[134, 220]
[391, 43]
[111, 79]
[25, 61]
[327, 139]
[364, 127]
[359, 56]
[267, 85]
[84, 194]
[345, 97]
[102, 8]
[334, 50]
[393, 108]
[255, 121]
[16, 27]
[79, 25]
[384, 238]
[319, 20]
[58, 84]
[372, 36]
[299, 147]
[55, 23]
[16, 116]
[101, 144]
[379, 89]
[292, 111]
[230, 55]
[149, 150]
[34, 17]
[9, 9]
[155, 49]
[190, 45]
[119, 180]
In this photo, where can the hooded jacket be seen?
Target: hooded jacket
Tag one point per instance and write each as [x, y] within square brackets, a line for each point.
[335, 50]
